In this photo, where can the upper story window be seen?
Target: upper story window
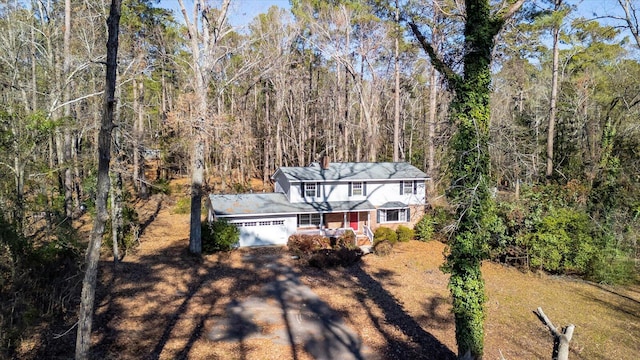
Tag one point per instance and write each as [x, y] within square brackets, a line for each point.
[311, 190]
[358, 188]
[408, 187]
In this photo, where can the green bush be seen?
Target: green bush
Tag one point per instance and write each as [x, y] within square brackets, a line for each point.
[405, 234]
[443, 218]
[241, 188]
[424, 229]
[613, 267]
[385, 234]
[562, 242]
[219, 236]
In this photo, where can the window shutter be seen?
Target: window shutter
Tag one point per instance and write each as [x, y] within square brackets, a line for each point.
[401, 188]
[364, 189]
[302, 192]
[379, 213]
[317, 189]
[408, 213]
[350, 188]
[415, 187]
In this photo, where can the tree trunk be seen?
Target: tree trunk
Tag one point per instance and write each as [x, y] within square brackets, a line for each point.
[83, 339]
[19, 209]
[116, 190]
[630, 17]
[397, 156]
[433, 113]
[139, 179]
[135, 138]
[116, 214]
[66, 83]
[554, 96]
[470, 168]
[202, 69]
[267, 136]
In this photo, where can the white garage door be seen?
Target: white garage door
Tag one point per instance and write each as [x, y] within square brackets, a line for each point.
[263, 232]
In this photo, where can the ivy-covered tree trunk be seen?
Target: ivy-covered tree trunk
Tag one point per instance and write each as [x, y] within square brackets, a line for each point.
[470, 168]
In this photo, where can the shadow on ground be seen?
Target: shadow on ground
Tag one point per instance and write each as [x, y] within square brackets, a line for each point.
[164, 305]
[390, 318]
[174, 305]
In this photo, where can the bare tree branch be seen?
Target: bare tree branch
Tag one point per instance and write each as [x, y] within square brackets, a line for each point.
[436, 61]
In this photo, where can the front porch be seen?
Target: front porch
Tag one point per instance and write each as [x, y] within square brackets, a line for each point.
[365, 238]
[336, 224]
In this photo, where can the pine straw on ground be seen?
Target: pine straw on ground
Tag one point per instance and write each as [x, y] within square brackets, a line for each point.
[162, 302]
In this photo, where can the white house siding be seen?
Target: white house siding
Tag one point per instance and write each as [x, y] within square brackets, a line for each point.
[378, 192]
[265, 230]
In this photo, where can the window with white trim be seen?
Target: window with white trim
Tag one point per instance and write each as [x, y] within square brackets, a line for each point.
[310, 189]
[407, 187]
[264, 223]
[278, 222]
[393, 215]
[252, 223]
[308, 220]
[356, 189]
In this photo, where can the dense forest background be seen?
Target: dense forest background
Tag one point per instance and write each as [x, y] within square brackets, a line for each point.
[339, 78]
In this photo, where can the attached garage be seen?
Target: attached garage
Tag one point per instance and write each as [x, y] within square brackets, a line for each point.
[263, 219]
[265, 231]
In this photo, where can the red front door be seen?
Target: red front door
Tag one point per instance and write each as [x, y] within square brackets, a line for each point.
[353, 220]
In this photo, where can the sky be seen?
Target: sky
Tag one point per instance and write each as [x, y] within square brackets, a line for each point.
[241, 12]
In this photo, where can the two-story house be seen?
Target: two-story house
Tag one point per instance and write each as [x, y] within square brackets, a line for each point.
[326, 198]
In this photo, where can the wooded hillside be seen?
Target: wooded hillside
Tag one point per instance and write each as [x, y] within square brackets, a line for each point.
[349, 79]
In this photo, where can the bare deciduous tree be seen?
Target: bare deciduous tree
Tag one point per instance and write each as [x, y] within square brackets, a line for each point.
[205, 33]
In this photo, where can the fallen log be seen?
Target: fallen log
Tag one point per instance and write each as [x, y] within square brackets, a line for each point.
[561, 339]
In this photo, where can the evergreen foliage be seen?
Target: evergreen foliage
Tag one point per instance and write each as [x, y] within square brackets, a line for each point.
[424, 228]
[552, 225]
[405, 234]
[37, 283]
[385, 234]
[219, 235]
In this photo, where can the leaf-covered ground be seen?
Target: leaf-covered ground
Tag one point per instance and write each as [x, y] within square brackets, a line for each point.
[163, 303]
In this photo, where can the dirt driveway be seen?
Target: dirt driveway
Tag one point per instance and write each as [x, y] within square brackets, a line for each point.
[288, 313]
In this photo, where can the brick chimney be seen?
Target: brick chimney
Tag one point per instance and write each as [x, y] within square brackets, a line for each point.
[325, 162]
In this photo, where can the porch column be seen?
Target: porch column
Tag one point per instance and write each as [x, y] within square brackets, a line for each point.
[344, 220]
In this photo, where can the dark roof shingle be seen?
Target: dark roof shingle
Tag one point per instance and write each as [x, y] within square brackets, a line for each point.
[354, 171]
